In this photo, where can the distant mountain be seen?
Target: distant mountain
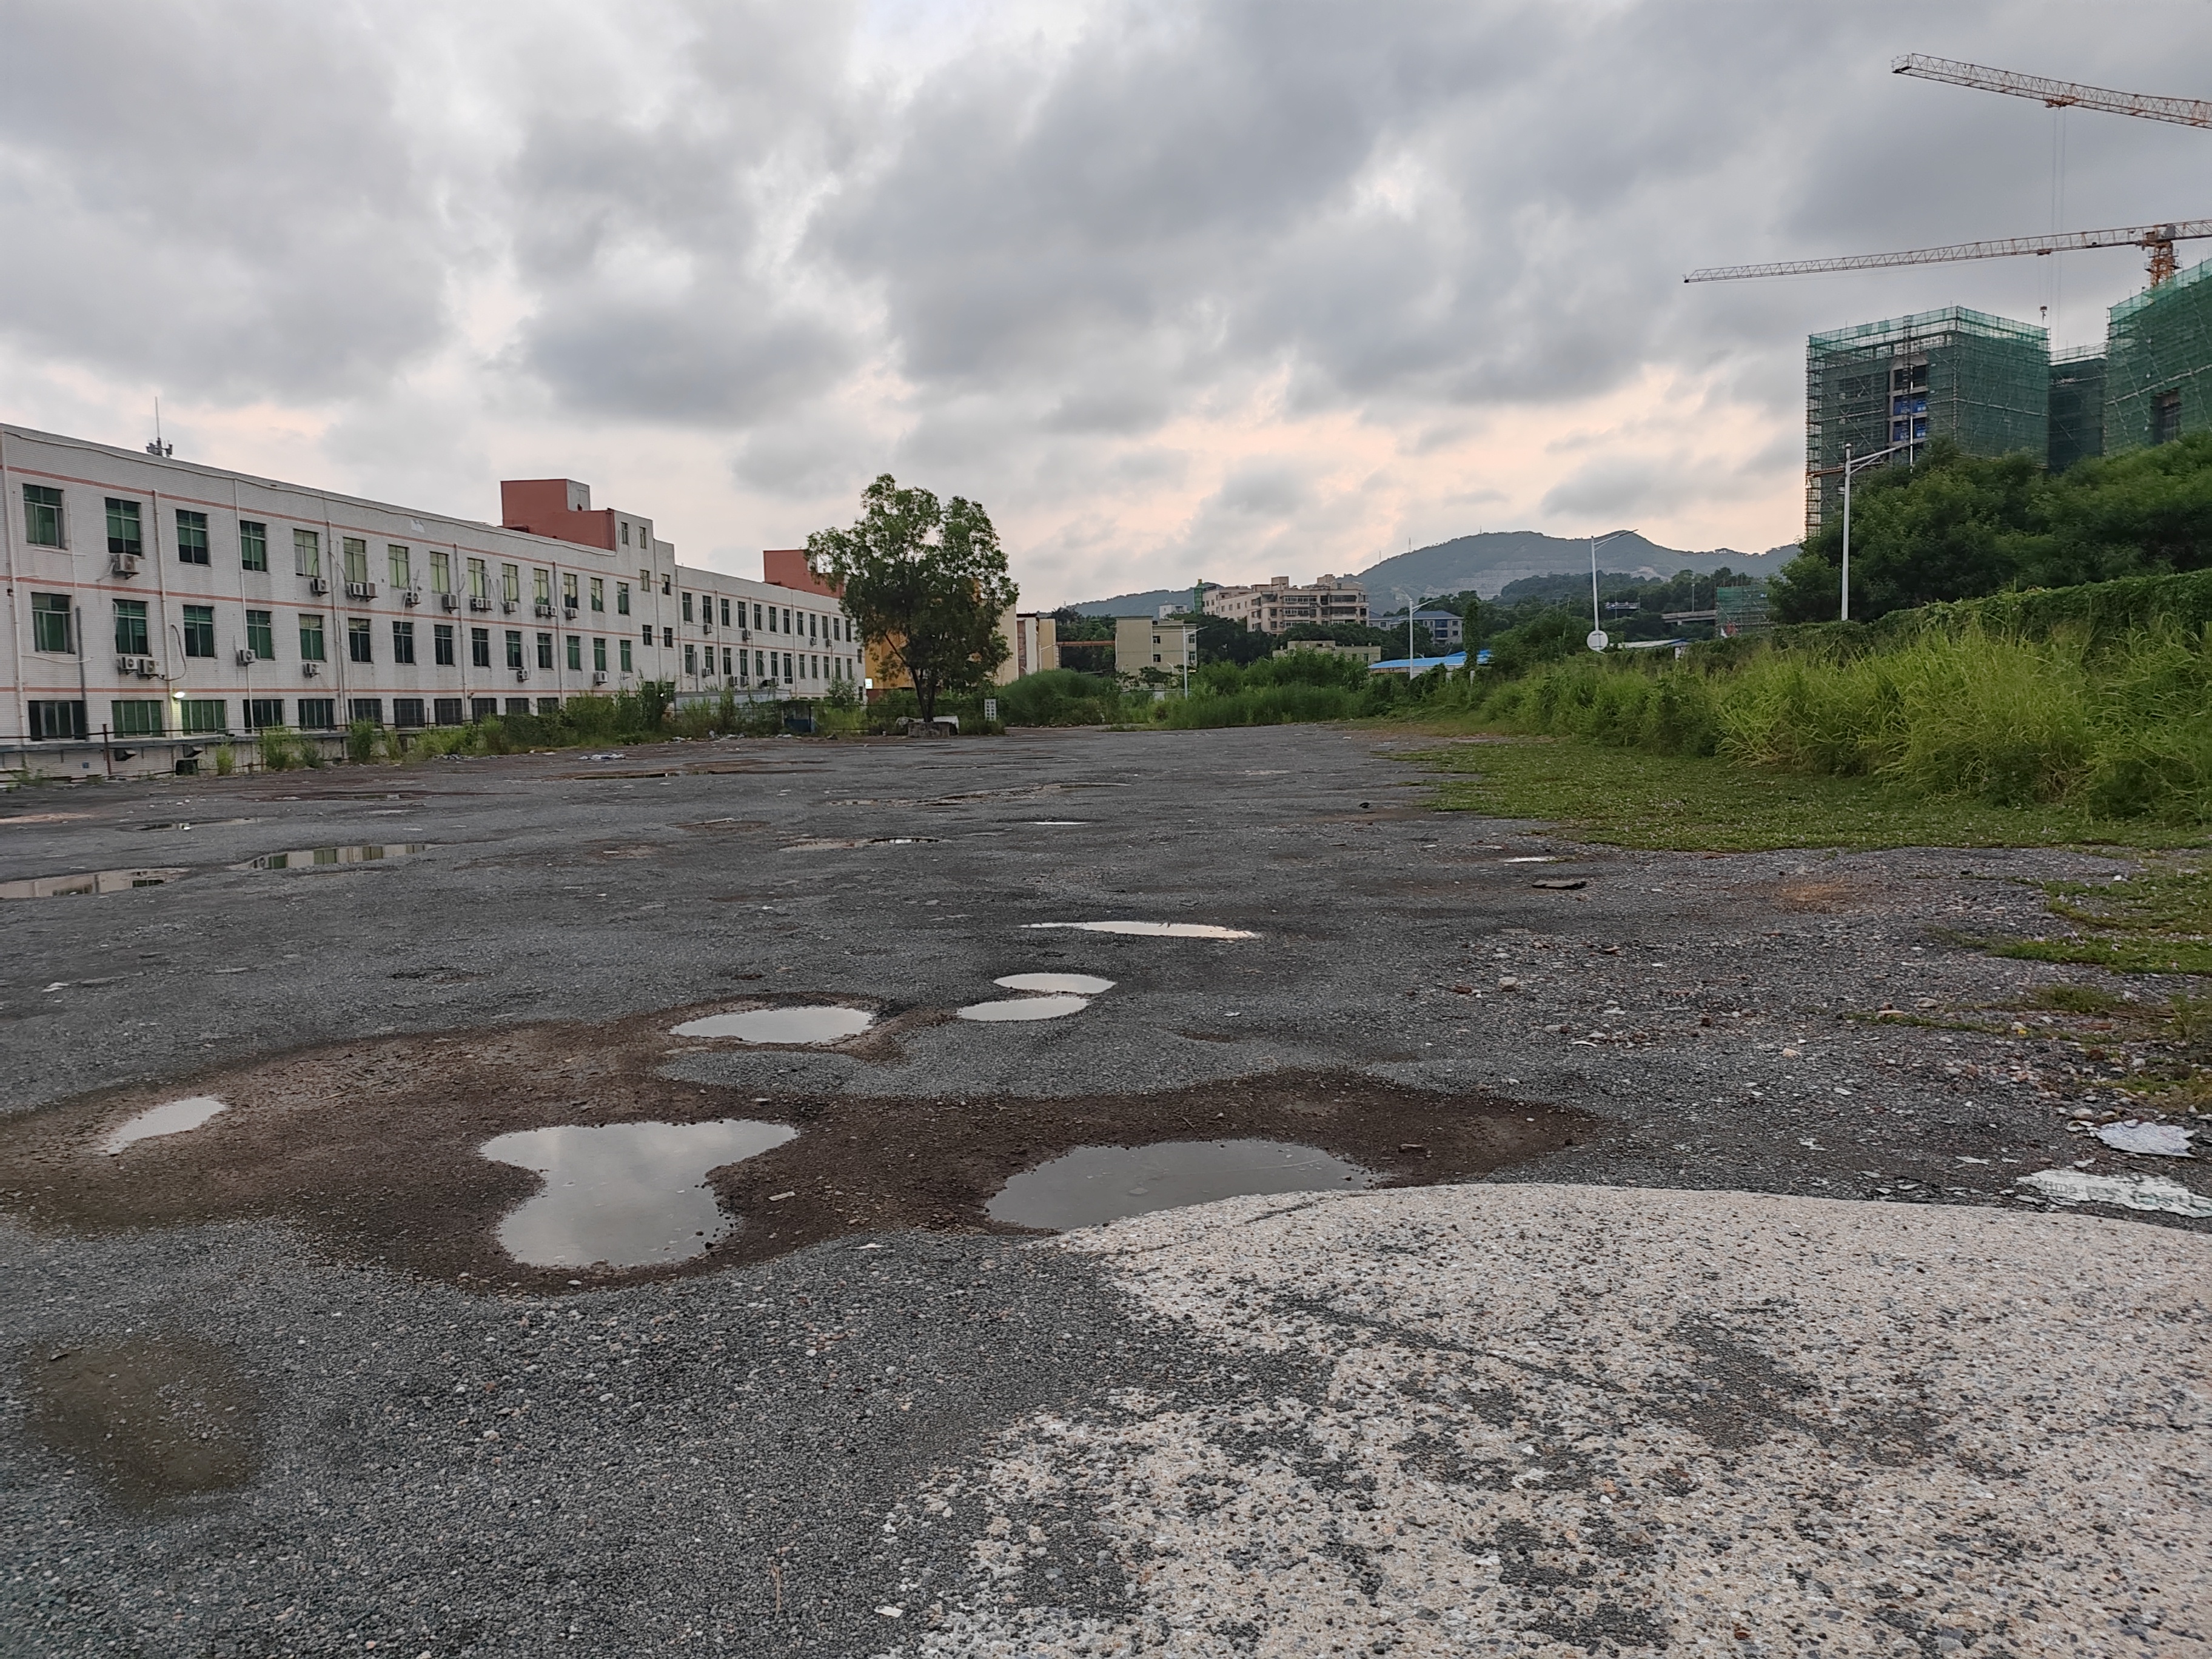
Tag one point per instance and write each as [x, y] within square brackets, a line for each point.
[1135, 604]
[1484, 563]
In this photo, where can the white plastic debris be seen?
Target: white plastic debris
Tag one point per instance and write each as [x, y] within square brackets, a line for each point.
[2129, 1192]
[2150, 1139]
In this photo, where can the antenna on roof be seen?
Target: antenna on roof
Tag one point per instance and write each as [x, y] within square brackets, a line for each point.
[157, 447]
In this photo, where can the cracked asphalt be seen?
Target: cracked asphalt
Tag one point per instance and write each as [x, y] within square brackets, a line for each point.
[1776, 1355]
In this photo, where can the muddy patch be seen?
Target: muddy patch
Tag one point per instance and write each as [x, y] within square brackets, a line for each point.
[373, 1147]
[157, 1417]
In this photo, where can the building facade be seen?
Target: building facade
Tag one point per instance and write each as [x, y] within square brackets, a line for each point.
[1982, 381]
[1144, 650]
[2158, 352]
[1272, 606]
[1032, 639]
[157, 606]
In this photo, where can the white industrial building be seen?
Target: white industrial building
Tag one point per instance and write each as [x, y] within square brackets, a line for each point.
[155, 606]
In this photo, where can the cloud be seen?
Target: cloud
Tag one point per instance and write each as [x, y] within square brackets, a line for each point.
[1249, 285]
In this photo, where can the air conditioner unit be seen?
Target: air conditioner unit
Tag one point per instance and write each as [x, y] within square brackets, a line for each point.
[544, 607]
[478, 602]
[450, 601]
[309, 670]
[125, 564]
[598, 678]
[568, 609]
[510, 606]
[318, 585]
[412, 596]
[522, 674]
[360, 590]
[246, 659]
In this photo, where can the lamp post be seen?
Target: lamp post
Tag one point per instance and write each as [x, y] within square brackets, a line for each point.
[1402, 594]
[1850, 467]
[1597, 640]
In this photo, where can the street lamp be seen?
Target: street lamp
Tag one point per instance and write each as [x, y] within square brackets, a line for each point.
[1851, 466]
[1402, 594]
[1597, 640]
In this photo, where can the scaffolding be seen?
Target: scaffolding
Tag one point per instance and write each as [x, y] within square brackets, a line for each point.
[1979, 381]
[2158, 385]
[2077, 406]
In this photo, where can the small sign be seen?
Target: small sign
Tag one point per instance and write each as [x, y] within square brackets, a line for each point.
[990, 708]
[1598, 640]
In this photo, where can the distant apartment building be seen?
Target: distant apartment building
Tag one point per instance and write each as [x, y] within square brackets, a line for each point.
[1445, 628]
[1032, 639]
[157, 607]
[1274, 606]
[1143, 647]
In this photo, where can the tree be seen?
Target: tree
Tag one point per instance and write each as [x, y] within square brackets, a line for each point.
[927, 580]
[1225, 639]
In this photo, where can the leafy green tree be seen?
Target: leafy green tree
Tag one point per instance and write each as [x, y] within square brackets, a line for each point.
[924, 579]
[1225, 638]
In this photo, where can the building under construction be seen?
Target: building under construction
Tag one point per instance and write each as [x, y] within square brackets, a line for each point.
[1979, 381]
[2077, 407]
[2157, 347]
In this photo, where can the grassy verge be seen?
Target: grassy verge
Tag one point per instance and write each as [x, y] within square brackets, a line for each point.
[2158, 920]
[1687, 803]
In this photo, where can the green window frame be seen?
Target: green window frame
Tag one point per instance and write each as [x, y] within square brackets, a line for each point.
[307, 552]
[199, 630]
[42, 516]
[568, 589]
[354, 551]
[252, 544]
[442, 571]
[123, 537]
[621, 598]
[130, 634]
[49, 622]
[192, 537]
[480, 647]
[442, 644]
[545, 650]
[541, 586]
[261, 634]
[403, 642]
[134, 717]
[599, 593]
[319, 713]
[598, 656]
[310, 637]
[575, 653]
[202, 716]
[514, 648]
[263, 711]
[400, 564]
[361, 640]
[625, 658]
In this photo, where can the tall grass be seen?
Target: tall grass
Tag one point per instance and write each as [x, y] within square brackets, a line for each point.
[2123, 728]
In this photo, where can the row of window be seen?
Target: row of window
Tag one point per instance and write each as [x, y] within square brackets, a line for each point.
[774, 619]
[795, 666]
[44, 526]
[150, 717]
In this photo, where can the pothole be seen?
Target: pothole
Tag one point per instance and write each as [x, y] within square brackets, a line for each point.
[93, 881]
[1023, 1008]
[1092, 1185]
[1151, 929]
[1081, 985]
[316, 858]
[827, 1023]
[172, 1117]
[624, 1194]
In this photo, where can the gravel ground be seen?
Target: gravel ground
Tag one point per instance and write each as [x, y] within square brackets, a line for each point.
[269, 1432]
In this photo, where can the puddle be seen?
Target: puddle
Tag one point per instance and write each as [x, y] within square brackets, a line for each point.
[826, 1023]
[1095, 1184]
[1081, 985]
[96, 881]
[2129, 1192]
[172, 1118]
[1151, 929]
[314, 857]
[158, 1417]
[2146, 1139]
[1531, 857]
[1057, 1007]
[1057, 823]
[866, 841]
[624, 1194]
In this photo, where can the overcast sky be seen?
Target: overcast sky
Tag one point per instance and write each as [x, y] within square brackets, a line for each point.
[1182, 290]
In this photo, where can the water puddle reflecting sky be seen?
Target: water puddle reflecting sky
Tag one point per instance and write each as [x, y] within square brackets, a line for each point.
[92, 881]
[171, 1118]
[1081, 985]
[1151, 929]
[624, 1194]
[1095, 1184]
[316, 857]
[825, 1023]
[1020, 1008]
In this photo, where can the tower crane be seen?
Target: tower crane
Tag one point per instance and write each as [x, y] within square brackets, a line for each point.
[2157, 239]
